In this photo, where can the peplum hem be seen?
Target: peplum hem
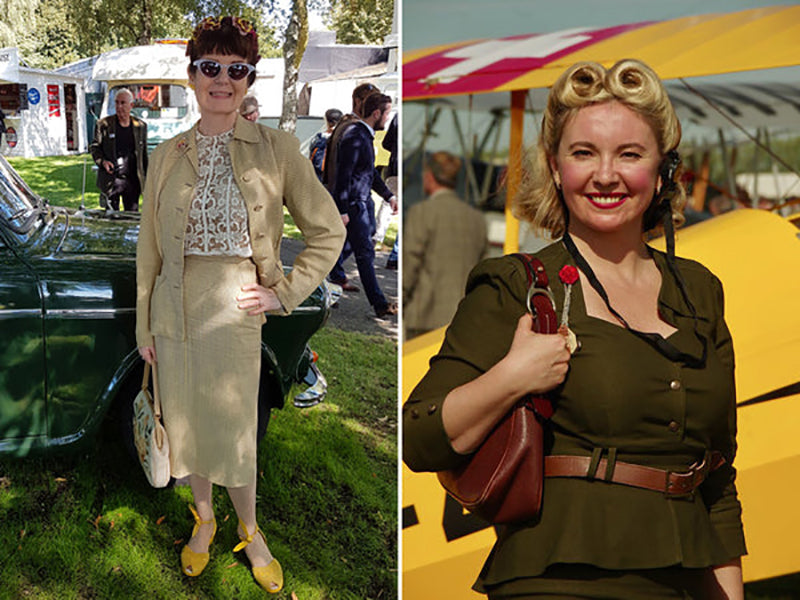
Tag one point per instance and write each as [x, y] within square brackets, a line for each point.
[587, 522]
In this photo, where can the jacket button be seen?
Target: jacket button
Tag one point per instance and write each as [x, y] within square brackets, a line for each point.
[674, 426]
[431, 409]
[245, 178]
[258, 207]
[675, 385]
[414, 413]
[261, 236]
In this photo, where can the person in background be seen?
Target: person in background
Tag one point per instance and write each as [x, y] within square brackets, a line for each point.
[119, 150]
[207, 271]
[331, 164]
[389, 144]
[316, 150]
[356, 177]
[443, 239]
[640, 493]
[249, 108]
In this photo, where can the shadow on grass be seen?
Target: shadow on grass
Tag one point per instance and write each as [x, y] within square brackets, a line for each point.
[89, 526]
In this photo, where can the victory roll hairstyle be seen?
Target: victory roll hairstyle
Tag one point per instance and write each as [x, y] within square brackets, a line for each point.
[630, 82]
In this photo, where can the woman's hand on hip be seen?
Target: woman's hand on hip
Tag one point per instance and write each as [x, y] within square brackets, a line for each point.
[257, 299]
[538, 362]
[148, 354]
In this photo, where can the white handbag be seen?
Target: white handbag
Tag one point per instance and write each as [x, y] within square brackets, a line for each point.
[149, 435]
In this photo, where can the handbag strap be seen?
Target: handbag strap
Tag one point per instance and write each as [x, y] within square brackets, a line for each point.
[541, 305]
[145, 382]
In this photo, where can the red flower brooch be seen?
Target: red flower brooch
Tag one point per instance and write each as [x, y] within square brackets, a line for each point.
[568, 275]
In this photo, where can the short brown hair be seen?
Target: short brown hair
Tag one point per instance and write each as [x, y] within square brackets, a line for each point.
[444, 167]
[227, 36]
[360, 93]
[630, 82]
[374, 102]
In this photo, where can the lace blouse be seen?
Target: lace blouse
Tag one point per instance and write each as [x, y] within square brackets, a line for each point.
[217, 222]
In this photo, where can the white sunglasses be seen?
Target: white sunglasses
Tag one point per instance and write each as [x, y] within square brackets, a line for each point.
[211, 69]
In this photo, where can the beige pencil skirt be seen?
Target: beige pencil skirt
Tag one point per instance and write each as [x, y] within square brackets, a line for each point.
[209, 382]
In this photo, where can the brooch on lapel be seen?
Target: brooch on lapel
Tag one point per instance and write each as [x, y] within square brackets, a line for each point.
[182, 145]
[568, 276]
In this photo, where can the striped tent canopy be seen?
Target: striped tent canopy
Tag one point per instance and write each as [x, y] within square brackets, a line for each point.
[694, 46]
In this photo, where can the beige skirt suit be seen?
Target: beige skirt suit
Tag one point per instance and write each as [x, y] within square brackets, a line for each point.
[212, 221]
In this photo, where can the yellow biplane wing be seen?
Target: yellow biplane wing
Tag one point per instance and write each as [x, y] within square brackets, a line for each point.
[756, 254]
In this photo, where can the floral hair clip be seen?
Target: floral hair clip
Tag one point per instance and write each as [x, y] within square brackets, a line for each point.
[243, 26]
[207, 24]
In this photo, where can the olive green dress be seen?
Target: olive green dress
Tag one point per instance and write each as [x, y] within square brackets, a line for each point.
[621, 397]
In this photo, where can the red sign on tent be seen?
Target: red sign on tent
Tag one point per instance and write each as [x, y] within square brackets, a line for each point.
[53, 100]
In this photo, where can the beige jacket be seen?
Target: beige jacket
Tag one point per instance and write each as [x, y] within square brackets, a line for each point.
[271, 173]
[443, 238]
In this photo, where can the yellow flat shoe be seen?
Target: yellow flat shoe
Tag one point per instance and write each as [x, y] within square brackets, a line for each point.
[193, 563]
[270, 577]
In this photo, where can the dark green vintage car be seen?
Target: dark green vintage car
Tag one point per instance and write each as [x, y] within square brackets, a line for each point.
[67, 344]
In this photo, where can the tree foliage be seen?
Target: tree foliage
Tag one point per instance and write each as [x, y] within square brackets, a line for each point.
[51, 33]
[18, 18]
[360, 21]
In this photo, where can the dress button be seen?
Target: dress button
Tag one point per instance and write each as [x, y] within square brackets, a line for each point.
[675, 385]
[674, 426]
[414, 413]
[431, 409]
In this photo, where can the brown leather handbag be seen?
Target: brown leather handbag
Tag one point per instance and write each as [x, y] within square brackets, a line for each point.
[502, 482]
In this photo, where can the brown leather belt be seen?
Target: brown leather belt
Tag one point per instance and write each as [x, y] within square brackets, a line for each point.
[671, 484]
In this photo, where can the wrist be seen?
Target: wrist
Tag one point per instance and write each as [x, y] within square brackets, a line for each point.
[509, 384]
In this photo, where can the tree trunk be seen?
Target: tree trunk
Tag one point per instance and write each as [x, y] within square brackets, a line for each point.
[146, 32]
[293, 48]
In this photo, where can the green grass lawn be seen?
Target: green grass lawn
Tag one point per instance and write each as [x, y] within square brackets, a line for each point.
[89, 526]
[59, 179]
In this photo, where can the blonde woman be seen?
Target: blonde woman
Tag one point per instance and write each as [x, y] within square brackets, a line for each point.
[643, 392]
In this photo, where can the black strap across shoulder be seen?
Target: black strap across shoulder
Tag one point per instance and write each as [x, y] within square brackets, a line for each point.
[662, 345]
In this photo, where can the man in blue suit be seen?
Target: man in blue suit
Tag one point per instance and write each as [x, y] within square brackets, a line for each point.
[356, 176]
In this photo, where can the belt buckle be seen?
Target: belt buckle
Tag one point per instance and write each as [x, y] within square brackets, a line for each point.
[696, 470]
